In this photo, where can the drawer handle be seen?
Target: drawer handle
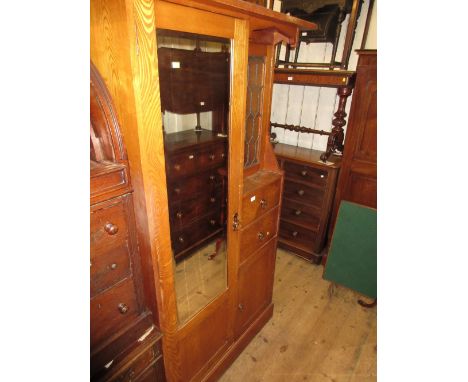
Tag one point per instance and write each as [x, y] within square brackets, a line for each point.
[113, 266]
[212, 199]
[263, 203]
[295, 233]
[179, 215]
[304, 173]
[300, 192]
[298, 212]
[177, 167]
[123, 308]
[212, 177]
[223, 155]
[262, 236]
[322, 176]
[177, 190]
[212, 222]
[241, 307]
[212, 156]
[111, 229]
[181, 239]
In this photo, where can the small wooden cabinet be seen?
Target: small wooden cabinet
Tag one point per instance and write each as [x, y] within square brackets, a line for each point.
[309, 188]
[358, 179]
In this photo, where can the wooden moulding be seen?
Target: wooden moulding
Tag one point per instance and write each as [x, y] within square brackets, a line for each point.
[259, 17]
[326, 78]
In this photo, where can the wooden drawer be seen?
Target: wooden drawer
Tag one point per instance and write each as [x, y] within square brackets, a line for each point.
[183, 212]
[185, 188]
[301, 213]
[303, 193]
[112, 310]
[155, 373]
[258, 233]
[305, 173]
[195, 160]
[109, 268]
[213, 156]
[259, 201]
[135, 371]
[298, 235]
[195, 232]
[109, 227]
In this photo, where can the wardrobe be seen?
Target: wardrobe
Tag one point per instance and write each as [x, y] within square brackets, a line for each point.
[191, 85]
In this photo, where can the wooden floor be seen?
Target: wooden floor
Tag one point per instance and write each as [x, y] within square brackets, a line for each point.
[316, 334]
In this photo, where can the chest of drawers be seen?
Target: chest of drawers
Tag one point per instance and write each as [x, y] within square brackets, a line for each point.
[195, 171]
[309, 189]
[125, 342]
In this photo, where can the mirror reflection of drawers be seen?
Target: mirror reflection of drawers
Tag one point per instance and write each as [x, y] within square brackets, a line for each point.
[196, 178]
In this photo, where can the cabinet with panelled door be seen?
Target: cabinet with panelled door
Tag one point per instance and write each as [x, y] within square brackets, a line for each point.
[195, 100]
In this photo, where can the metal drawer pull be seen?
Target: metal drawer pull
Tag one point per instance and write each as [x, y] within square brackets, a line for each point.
[298, 212]
[261, 235]
[111, 229]
[123, 308]
[177, 167]
[295, 233]
[300, 192]
[322, 176]
[181, 239]
[179, 215]
[177, 190]
[303, 172]
[212, 222]
[241, 307]
[212, 177]
[113, 266]
[212, 199]
[263, 203]
[212, 156]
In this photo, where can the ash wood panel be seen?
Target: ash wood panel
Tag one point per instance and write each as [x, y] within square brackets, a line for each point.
[313, 335]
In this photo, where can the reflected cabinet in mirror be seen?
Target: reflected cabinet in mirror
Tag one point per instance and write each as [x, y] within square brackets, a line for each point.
[194, 72]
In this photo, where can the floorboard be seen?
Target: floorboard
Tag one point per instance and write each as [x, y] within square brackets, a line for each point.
[317, 333]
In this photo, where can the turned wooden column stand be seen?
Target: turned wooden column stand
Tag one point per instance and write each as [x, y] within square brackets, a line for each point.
[335, 139]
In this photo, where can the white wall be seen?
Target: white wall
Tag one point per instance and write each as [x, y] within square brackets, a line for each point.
[311, 106]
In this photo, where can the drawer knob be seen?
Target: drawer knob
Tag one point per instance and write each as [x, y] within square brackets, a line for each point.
[181, 239]
[223, 155]
[300, 192]
[212, 222]
[263, 203]
[298, 212]
[111, 229]
[212, 177]
[177, 167]
[113, 266]
[261, 235]
[322, 176]
[241, 307]
[179, 215]
[212, 199]
[212, 156]
[123, 308]
[177, 190]
[294, 233]
[304, 173]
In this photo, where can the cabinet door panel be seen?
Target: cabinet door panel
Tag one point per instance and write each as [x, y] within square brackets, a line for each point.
[255, 282]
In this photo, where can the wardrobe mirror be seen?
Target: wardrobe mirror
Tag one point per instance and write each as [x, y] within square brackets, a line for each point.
[194, 75]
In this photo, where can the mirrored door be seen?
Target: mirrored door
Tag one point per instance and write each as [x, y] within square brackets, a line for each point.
[194, 73]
